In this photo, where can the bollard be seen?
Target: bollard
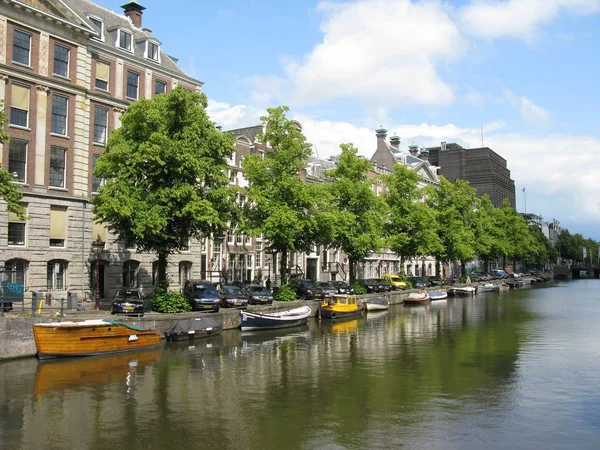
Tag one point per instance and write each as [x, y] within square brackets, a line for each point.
[34, 300]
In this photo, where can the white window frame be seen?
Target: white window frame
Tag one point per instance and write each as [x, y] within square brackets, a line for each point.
[57, 44]
[61, 264]
[52, 132]
[137, 94]
[101, 38]
[13, 244]
[64, 175]
[258, 258]
[164, 83]
[147, 51]
[95, 157]
[96, 108]
[7, 147]
[30, 44]
[118, 42]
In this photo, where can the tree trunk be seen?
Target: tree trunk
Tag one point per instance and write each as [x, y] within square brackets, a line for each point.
[283, 267]
[463, 268]
[163, 282]
[351, 265]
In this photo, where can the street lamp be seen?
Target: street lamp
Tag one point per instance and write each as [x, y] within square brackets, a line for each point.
[98, 247]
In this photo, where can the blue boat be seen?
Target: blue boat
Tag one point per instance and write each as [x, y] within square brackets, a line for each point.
[268, 321]
[438, 295]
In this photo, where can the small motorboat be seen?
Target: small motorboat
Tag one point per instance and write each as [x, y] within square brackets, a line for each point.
[340, 306]
[461, 291]
[488, 287]
[91, 338]
[438, 295]
[417, 298]
[376, 304]
[193, 328]
[281, 319]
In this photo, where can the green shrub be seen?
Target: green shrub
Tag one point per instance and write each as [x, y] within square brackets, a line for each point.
[170, 302]
[285, 294]
[359, 289]
[409, 285]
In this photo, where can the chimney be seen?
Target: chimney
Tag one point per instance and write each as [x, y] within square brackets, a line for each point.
[381, 133]
[413, 149]
[148, 31]
[395, 143]
[133, 10]
[424, 155]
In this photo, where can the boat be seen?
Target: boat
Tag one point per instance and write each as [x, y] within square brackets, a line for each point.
[488, 287]
[91, 338]
[438, 295]
[461, 291]
[376, 304]
[340, 306]
[69, 373]
[195, 327]
[282, 319]
[417, 298]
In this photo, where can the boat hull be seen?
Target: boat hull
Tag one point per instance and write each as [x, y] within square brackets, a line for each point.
[196, 334]
[330, 314]
[434, 296]
[293, 318]
[70, 339]
[417, 299]
[377, 305]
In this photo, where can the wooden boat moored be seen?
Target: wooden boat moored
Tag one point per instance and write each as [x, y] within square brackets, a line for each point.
[193, 328]
[91, 338]
[266, 321]
[340, 306]
[417, 298]
[376, 304]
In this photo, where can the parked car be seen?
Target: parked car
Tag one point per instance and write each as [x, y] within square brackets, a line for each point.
[382, 286]
[342, 287]
[233, 297]
[369, 286]
[129, 302]
[327, 287]
[258, 295]
[394, 280]
[202, 295]
[306, 289]
[419, 283]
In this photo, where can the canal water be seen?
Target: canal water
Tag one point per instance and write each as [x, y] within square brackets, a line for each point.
[517, 370]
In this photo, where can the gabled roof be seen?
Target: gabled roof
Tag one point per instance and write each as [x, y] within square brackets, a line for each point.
[58, 11]
[248, 132]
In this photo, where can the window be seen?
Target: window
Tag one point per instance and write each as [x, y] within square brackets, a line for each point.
[100, 124]
[19, 107]
[100, 25]
[152, 51]
[239, 239]
[21, 47]
[230, 237]
[58, 165]
[125, 40]
[58, 226]
[160, 87]
[102, 75]
[15, 270]
[59, 114]
[97, 182]
[56, 275]
[133, 81]
[16, 230]
[61, 60]
[258, 258]
[185, 269]
[17, 159]
[130, 274]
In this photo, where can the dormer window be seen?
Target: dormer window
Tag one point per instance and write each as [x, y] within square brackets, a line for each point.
[98, 24]
[124, 40]
[152, 51]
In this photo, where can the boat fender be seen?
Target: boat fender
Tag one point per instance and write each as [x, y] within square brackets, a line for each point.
[333, 315]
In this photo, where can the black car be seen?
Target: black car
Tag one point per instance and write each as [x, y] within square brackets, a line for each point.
[327, 287]
[369, 286]
[342, 287]
[419, 283]
[307, 289]
[202, 295]
[258, 295]
[233, 297]
[382, 286]
[128, 301]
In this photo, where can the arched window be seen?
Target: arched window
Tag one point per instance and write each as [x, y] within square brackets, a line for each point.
[130, 274]
[16, 271]
[57, 275]
[185, 271]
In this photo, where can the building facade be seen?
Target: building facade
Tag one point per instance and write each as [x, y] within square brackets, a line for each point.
[68, 70]
[483, 168]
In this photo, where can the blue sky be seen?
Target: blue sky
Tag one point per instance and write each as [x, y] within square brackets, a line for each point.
[524, 70]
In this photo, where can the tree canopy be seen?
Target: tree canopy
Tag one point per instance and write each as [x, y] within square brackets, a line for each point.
[166, 175]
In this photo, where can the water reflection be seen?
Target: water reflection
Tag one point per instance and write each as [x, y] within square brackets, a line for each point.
[371, 382]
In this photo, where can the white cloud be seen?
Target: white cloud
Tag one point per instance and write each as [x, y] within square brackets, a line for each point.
[522, 19]
[379, 51]
[530, 112]
[233, 116]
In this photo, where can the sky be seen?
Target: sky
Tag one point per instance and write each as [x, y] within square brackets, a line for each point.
[520, 74]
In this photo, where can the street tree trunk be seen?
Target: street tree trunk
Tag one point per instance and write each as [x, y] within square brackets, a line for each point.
[162, 269]
[283, 267]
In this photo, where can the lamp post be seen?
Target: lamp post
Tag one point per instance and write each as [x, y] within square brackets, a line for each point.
[98, 246]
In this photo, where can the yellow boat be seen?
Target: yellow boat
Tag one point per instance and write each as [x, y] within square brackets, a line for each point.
[340, 306]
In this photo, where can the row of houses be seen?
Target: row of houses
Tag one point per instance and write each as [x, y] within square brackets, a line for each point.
[68, 70]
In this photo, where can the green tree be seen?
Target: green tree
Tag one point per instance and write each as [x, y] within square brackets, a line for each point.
[454, 205]
[165, 172]
[281, 205]
[9, 191]
[356, 212]
[410, 227]
[490, 235]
